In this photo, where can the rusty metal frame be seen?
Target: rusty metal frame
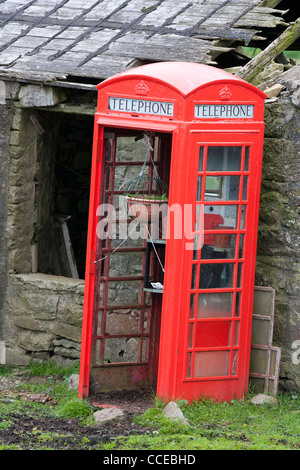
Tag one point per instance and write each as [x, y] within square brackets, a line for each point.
[102, 272]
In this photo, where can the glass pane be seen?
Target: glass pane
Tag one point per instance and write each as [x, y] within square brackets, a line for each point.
[237, 304]
[220, 217]
[260, 331]
[224, 188]
[192, 305]
[199, 185]
[212, 334]
[199, 217]
[239, 275]
[274, 363]
[189, 365]
[241, 247]
[211, 363]
[190, 338]
[224, 158]
[219, 246]
[216, 275]
[196, 246]
[235, 333]
[245, 187]
[263, 301]
[194, 272]
[247, 155]
[258, 361]
[213, 187]
[201, 153]
[214, 305]
[234, 362]
[243, 217]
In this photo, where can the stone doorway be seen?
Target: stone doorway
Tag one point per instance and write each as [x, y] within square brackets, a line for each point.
[62, 182]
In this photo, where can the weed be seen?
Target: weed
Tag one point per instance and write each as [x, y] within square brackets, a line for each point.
[73, 408]
[238, 425]
[50, 368]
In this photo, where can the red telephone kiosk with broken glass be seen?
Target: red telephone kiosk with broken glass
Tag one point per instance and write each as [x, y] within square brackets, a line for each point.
[169, 305]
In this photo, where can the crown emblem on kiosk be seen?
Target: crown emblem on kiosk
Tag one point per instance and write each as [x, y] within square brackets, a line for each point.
[225, 93]
[141, 88]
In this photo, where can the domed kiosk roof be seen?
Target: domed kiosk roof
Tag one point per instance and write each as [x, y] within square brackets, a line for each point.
[184, 77]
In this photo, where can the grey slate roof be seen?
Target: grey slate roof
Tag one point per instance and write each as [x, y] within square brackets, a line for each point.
[56, 39]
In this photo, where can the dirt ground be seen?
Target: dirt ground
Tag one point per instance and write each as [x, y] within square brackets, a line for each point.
[26, 431]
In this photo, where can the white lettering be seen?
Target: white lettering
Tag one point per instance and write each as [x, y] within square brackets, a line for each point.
[128, 105]
[231, 111]
[116, 460]
[296, 354]
[166, 459]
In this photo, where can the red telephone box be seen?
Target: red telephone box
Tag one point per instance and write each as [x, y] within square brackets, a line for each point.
[203, 133]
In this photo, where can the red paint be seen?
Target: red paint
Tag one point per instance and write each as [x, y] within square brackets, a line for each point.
[169, 98]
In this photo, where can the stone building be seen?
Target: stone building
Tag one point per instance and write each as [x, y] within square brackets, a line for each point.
[52, 54]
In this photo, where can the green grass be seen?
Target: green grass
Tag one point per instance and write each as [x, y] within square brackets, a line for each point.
[238, 425]
[55, 384]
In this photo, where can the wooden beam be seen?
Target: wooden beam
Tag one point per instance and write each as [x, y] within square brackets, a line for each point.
[276, 47]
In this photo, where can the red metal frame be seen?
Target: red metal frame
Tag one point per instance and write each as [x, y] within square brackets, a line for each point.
[87, 321]
[183, 87]
[104, 277]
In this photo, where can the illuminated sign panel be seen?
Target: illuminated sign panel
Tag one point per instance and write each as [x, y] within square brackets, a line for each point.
[127, 105]
[224, 111]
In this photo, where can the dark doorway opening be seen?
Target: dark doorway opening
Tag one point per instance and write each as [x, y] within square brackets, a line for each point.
[64, 153]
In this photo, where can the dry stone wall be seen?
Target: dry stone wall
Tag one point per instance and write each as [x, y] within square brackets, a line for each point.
[6, 116]
[43, 318]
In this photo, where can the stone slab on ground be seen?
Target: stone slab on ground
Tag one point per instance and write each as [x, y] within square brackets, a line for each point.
[173, 412]
[107, 414]
[262, 399]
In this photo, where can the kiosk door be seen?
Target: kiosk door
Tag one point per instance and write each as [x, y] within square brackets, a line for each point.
[126, 316]
[217, 310]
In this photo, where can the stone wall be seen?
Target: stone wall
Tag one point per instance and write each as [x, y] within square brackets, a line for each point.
[40, 315]
[6, 116]
[278, 255]
[43, 318]
[21, 193]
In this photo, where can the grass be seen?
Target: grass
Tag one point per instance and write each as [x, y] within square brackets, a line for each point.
[238, 425]
[54, 384]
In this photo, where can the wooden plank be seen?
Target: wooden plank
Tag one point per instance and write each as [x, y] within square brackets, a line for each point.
[163, 53]
[273, 50]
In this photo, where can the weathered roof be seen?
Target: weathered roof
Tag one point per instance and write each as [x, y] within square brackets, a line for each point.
[46, 40]
[183, 77]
